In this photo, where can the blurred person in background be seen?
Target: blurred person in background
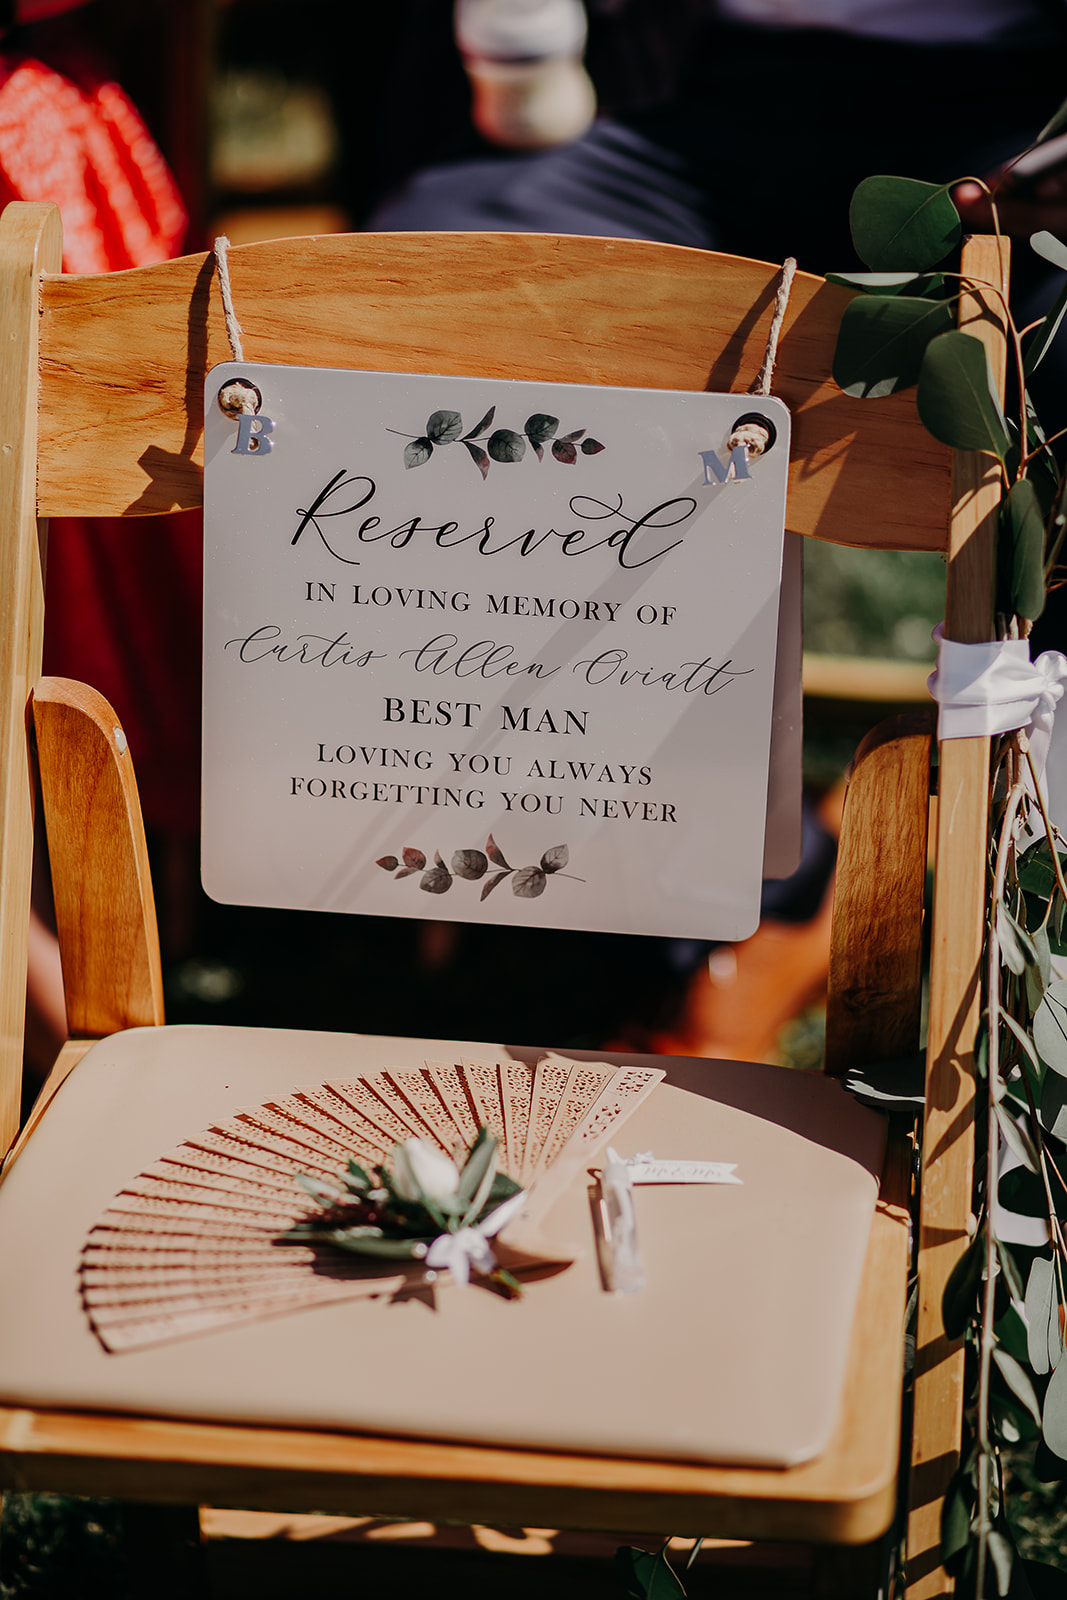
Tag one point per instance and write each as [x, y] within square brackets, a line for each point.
[741, 126]
[122, 595]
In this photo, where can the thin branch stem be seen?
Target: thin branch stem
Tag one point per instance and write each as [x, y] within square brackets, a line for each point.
[1011, 807]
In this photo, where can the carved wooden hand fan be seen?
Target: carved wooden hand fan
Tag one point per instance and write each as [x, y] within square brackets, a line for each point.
[192, 1243]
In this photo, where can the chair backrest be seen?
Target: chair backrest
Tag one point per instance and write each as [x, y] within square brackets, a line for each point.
[117, 363]
[101, 413]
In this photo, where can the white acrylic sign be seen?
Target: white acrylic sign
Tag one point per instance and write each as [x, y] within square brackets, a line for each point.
[490, 651]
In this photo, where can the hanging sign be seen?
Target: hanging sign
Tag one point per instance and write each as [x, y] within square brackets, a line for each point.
[489, 651]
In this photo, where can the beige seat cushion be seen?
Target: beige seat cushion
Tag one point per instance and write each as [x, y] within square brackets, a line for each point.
[734, 1352]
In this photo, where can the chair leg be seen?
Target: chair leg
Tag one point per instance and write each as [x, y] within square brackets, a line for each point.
[164, 1557]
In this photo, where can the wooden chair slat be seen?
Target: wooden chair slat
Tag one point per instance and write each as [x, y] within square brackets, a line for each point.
[102, 884]
[30, 243]
[875, 990]
[128, 352]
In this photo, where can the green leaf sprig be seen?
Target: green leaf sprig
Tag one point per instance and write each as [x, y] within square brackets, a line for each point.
[395, 1214]
[526, 882]
[503, 445]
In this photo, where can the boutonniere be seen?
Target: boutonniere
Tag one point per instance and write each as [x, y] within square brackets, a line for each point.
[420, 1207]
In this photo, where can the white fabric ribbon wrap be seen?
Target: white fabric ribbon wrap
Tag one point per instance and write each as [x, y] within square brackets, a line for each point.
[470, 1247]
[983, 689]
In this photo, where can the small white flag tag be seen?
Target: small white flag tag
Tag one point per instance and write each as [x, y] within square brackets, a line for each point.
[643, 1169]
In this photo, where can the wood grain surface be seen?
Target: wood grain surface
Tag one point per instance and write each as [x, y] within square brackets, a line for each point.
[124, 357]
[875, 991]
[102, 885]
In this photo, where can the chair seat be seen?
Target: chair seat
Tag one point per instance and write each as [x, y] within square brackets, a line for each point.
[702, 1366]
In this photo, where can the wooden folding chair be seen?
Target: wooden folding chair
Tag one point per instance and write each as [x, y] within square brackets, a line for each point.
[101, 414]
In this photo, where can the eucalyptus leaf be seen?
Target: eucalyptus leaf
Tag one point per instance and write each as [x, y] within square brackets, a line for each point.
[1011, 1332]
[1026, 944]
[956, 1513]
[1023, 525]
[528, 883]
[1011, 950]
[470, 864]
[478, 456]
[1018, 1382]
[1017, 1138]
[556, 859]
[1054, 1412]
[481, 426]
[359, 1243]
[1050, 248]
[960, 1299]
[647, 1575]
[478, 1171]
[437, 881]
[901, 223]
[1044, 1345]
[501, 1188]
[1050, 1027]
[881, 342]
[1044, 954]
[324, 1194]
[418, 451]
[878, 282]
[1036, 984]
[1036, 874]
[1057, 932]
[1021, 1035]
[444, 427]
[1002, 1556]
[541, 427]
[506, 445]
[1055, 124]
[1022, 1192]
[1045, 332]
[955, 398]
[495, 854]
[1009, 1269]
[1054, 1105]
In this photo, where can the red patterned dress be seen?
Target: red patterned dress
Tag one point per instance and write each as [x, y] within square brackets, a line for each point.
[123, 595]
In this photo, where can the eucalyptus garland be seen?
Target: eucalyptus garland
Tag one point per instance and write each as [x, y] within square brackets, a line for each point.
[1007, 1301]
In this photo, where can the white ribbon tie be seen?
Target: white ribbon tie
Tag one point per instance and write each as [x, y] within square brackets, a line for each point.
[984, 689]
[470, 1247]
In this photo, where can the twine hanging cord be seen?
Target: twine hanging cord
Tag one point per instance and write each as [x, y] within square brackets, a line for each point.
[238, 397]
[755, 434]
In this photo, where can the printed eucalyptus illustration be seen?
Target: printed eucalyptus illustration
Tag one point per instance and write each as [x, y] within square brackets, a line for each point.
[526, 882]
[504, 444]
